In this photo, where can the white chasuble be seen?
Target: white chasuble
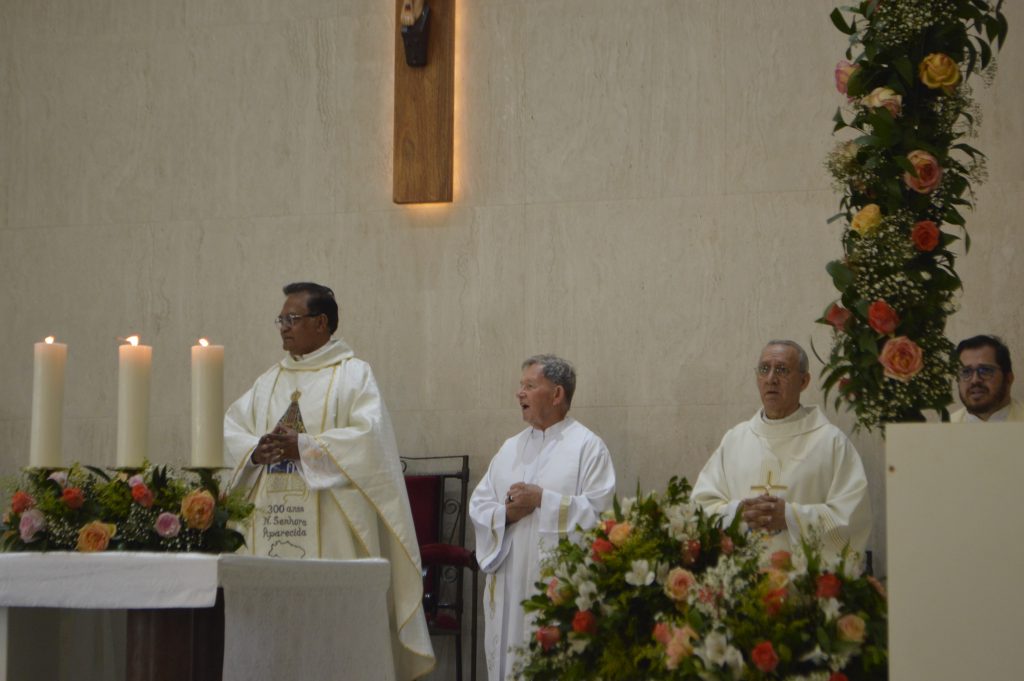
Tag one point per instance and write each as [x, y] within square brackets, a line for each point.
[352, 477]
[573, 467]
[803, 459]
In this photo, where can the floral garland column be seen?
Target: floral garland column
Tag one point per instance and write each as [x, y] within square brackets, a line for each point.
[905, 177]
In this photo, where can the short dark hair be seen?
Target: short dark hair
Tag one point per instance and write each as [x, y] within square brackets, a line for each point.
[558, 371]
[994, 342]
[320, 300]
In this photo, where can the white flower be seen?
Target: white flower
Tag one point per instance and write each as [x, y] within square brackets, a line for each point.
[799, 562]
[578, 642]
[714, 649]
[661, 572]
[816, 656]
[830, 607]
[640, 574]
[585, 590]
[734, 661]
[59, 477]
[626, 506]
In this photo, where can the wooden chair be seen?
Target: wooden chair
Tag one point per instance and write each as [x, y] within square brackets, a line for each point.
[438, 494]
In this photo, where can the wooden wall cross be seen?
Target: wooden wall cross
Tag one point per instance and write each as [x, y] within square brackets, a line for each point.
[425, 111]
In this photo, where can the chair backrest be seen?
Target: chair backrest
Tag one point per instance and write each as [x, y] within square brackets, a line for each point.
[438, 492]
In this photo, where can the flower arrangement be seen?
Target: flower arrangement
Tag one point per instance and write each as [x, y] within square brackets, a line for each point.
[659, 590]
[86, 509]
[905, 178]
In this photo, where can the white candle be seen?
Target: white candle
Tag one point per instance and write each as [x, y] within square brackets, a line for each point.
[47, 404]
[135, 364]
[207, 405]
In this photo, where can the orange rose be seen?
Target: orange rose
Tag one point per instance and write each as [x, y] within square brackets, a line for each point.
[782, 560]
[902, 358]
[939, 71]
[548, 637]
[764, 657]
[867, 220]
[829, 586]
[21, 502]
[925, 236]
[619, 534]
[72, 497]
[661, 633]
[197, 509]
[851, 628]
[95, 536]
[882, 318]
[599, 548]
[929, 172]
[838, 317]
[584, 622]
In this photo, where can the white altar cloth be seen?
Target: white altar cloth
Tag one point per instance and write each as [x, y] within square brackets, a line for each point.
[308, 619]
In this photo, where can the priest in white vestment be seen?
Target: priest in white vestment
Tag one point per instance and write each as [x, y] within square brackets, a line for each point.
[788, 469]
[542, 484]
[984, 381]
[313, 444]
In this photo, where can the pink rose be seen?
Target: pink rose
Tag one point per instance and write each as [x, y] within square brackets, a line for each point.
[929, 172]
[167, 525]
[197, 509]
[661, 633]
[838, 317]
[584, 622]
[829, 586]
[556, 594]
[620, 533]
[72, 498]
[764, 657]
[142, 495]
[32, 523]
[877, 586]
[679, 583]
[901, 358]
[882, 318]
[851, 628]
[21, 502]
[844, 70]
[548, 636]
[679, 646]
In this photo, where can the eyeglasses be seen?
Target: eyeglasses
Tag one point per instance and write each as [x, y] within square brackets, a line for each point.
[781, 370]
[286, 321]
[983, 371]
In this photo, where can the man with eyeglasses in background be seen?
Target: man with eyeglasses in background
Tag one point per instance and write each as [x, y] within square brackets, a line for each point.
[313, 444]
[984, 380]
[788, 469]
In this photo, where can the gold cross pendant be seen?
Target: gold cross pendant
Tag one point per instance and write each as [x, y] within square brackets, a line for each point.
[768, 486]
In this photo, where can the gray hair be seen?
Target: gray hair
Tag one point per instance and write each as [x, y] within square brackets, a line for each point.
[558, 371]
[804, 363]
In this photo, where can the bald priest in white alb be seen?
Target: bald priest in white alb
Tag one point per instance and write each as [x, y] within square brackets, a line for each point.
[788, 469]
[540, 485]
[313, 445]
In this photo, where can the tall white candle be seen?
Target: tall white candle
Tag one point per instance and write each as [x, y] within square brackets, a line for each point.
[207, 405]
[47, 404]
[135, 363]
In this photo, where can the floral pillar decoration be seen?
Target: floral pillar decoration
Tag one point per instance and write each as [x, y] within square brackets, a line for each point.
[906, 176]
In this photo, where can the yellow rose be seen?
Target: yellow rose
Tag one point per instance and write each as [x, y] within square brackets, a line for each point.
[883, 97]
[95, 536]
[939, 71]
[197, 509]
[619, 534]
[867, 219]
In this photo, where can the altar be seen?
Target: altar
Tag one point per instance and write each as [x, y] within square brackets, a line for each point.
[308, 619]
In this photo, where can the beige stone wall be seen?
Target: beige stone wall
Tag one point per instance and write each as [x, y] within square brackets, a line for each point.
[639, 188]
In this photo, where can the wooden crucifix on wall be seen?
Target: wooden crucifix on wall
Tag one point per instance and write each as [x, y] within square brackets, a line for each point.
[424, 102]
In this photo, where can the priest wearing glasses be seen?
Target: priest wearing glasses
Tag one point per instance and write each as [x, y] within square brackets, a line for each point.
[788, 471]
[985, 378]
[312, 443]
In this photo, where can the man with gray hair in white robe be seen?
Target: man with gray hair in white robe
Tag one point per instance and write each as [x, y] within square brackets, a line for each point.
[542, 484]
[788, 469]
